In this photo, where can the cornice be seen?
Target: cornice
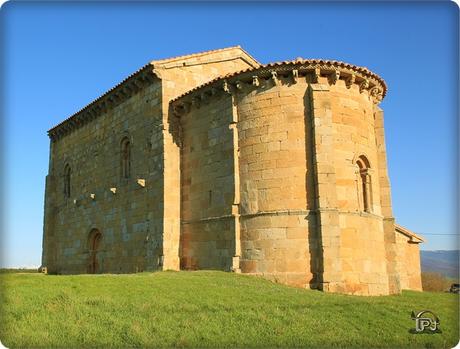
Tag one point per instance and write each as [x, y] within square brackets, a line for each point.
[116, 95]
[310, 70]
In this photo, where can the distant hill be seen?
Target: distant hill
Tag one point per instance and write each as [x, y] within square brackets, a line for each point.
[443, 262]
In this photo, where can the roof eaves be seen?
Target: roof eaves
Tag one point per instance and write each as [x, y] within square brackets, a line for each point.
[362, 70]
[104, 95]
[203, 53]
[407, 232]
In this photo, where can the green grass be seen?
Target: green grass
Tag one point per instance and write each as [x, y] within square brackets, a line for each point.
[208, 309]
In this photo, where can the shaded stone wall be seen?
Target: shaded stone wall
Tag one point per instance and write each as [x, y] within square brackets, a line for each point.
[140, 226]
[129, 220]
[207, 189]
[179, 76]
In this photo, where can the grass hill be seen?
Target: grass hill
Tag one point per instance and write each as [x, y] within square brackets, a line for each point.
[442, 262]
[208, 309]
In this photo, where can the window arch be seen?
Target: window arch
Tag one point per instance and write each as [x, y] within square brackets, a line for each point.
[365, 184]
[67, 175]
[125, 158]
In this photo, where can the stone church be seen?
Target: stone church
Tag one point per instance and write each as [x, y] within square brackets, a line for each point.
[216, 161]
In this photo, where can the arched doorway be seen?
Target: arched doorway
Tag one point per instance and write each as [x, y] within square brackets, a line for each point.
[94, 242]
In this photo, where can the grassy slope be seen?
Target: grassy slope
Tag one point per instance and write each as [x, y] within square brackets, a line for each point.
[212, 309]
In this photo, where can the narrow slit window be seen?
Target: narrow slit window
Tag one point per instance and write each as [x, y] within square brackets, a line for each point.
[67, 175]
[125, 158]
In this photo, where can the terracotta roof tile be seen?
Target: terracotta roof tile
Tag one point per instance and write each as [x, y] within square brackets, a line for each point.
[151, 64]
[203, 53]
[407, 232]
[345, 65]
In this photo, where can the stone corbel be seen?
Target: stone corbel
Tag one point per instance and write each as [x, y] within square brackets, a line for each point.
[205, 97]
[255, 81]
[104, 106]
[128, 89]
[376, 94]
[226, 87]
[295, 76]
[122, 93]
[115, 97]
[149, 76]
[350, 80]
[93, 113]
[214, 91]
[78, 120]
[196, 102]
[109, 101]
[239, 85]
[181, 109]
[72, 124]
[274, 77]
[316, 74]
[364, 85]
[141, 82]
[134, 85]
[334, 77]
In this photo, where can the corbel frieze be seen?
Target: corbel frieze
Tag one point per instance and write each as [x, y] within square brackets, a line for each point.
[350, 80]
[103, 104]
[376, 94]
[181, 109]
[316, 74]
[227, 87]
[196, 102]
[364, 85]
[295, 76]
[334, 76]
[274, 77]
[239, 85]
[205, 96]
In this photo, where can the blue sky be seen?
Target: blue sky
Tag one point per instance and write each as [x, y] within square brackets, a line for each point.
[59, 57]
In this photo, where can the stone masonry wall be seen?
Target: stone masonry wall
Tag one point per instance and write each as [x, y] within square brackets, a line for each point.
[277, 230]
[410, 276]
[133, 215]
[300, 212]
[362, 249]
[207, 190]
[257, 173]
[178, 76]
[131, 220]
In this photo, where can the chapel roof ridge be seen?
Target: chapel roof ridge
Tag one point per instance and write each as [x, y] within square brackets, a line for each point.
[144, 68]
[202, 53]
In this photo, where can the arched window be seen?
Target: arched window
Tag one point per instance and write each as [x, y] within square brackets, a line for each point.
[365, 182]
[67, 174]
[125, 158]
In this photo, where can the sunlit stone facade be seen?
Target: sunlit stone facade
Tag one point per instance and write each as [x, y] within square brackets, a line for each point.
[214, 161]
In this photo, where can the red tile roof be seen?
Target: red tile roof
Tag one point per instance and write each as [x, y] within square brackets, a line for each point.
[150, 65]
[414, 237]
[363, 70]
